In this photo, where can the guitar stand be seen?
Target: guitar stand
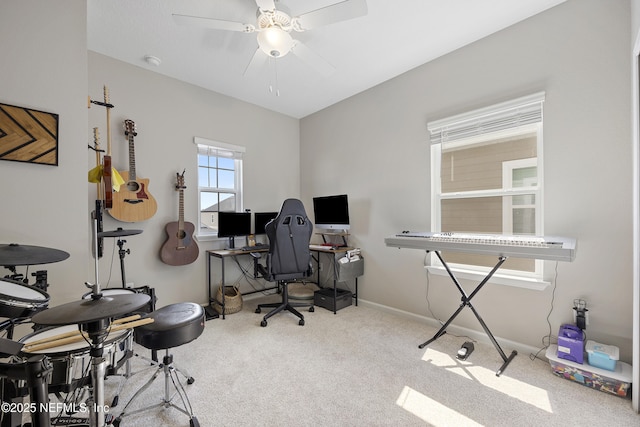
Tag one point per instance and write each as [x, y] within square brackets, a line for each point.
[466, 302]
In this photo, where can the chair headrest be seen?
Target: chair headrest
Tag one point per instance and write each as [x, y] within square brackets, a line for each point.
[292, 206]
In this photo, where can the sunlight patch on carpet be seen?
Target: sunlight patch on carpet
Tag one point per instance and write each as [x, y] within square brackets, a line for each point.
[432, 412]
[522, 391]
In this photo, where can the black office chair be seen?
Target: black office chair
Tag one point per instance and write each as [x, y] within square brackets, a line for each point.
[289, 257]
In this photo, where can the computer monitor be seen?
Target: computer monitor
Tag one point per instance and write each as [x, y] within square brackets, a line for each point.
[331, 212]
[232, 224]
[260, 219]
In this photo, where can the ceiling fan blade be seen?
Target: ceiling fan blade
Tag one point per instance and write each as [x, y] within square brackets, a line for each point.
[266, 4]
[257, 61]
[312, 59]
[347, 9]
[216, 24]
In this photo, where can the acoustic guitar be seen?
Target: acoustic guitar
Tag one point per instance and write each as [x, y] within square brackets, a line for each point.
[133, 202]
[180, 248]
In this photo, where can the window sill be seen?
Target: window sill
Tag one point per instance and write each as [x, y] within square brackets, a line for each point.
[497, 278]
[207, 237]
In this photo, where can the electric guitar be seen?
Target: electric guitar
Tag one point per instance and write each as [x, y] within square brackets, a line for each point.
[106, 167]
[180, 248]
[97, 213]
[133, 202]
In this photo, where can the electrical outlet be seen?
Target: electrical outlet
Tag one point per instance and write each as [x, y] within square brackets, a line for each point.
[580, 313]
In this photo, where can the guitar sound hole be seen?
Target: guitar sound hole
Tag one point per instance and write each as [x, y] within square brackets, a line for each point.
[181, 234]
[133, 186]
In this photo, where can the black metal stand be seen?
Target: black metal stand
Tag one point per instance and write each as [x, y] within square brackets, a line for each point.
[466, 302]
[122, 252]
[170, 377]
[34, 370]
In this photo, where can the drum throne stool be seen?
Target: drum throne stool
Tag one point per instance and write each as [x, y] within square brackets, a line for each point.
[174, 325]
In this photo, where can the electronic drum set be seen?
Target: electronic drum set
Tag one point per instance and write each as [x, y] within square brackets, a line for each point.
[85, 333]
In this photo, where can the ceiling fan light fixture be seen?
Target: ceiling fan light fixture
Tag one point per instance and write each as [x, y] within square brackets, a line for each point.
[275, 42]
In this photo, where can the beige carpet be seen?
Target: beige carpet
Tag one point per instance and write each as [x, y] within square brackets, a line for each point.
[361, 367]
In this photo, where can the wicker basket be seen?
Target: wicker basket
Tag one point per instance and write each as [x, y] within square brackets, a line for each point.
[232, 300]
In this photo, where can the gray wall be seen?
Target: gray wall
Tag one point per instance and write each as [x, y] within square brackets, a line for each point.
[45, 65]
[374, 146]
[168, 114]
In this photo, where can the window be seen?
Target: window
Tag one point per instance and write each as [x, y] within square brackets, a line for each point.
[219, 182]
[487, 178]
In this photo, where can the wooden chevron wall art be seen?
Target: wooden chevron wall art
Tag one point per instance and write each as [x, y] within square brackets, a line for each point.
[28, 135]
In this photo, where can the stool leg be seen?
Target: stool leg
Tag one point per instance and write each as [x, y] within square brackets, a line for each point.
[170, 373]
[116, 422]
[180, 391]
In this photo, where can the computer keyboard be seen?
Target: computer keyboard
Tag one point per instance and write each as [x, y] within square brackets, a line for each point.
[256, 247]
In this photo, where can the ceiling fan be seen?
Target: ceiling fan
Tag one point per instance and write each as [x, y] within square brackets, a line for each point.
[274, 28]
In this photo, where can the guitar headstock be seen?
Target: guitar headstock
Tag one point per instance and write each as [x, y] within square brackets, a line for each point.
[129, 127]
[180, 181]
[105, 91]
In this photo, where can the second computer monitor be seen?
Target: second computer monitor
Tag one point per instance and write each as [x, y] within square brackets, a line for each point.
[260, 219]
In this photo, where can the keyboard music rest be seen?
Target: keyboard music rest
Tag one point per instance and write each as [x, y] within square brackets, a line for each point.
[544, 248]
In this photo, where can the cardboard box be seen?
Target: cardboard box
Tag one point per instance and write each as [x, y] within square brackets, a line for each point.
[324, 298]
[616, 382]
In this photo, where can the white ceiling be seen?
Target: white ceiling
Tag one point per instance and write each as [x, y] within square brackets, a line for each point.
[394, 37]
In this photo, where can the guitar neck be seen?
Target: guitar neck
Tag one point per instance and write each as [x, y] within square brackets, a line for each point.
[108, 108]
[132, 159]
[181, 212]
[96, 145]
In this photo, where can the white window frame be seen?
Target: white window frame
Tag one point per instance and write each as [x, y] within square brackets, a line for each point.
[234, 151]
[516, 117]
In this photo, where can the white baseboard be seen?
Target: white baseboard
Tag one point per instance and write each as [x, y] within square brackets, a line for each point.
[479, 336]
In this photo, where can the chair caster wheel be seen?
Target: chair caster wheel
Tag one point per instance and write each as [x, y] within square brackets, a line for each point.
[301, 322]
[258, 310]
[263, 323]
[191, 380]
[312, 309]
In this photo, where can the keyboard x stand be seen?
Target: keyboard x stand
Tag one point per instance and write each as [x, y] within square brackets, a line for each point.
[466, 302]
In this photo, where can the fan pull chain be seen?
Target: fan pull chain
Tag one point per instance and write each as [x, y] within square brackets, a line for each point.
[275, 75]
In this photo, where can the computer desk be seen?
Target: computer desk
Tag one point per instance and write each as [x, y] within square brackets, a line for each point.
[333, 252]
[223, 254]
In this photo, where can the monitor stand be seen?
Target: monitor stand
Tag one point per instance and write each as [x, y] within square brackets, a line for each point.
[232, 244]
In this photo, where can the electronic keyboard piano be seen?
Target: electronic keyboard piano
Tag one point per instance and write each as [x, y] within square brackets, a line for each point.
[545, 248]
[502, 246]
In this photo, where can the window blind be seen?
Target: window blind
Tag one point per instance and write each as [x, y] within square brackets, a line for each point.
[219, 149]
[507, 115]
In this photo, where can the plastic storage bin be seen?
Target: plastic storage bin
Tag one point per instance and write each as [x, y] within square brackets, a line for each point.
[602, 356]
[616, 382]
